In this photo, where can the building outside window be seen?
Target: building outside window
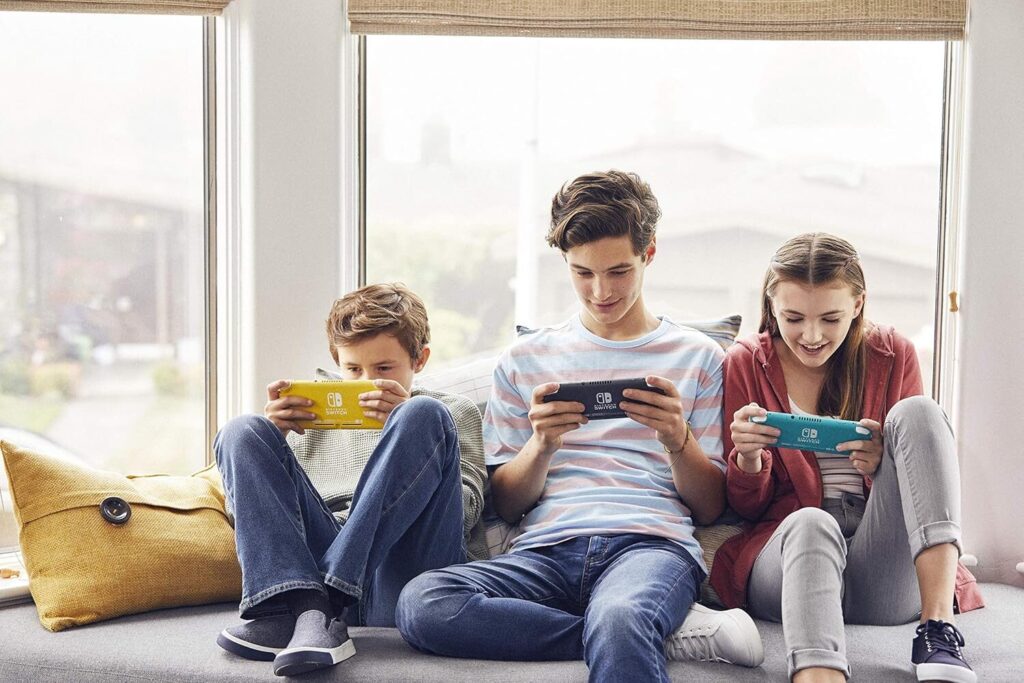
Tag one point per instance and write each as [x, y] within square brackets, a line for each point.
[745, 144]
[101, 240]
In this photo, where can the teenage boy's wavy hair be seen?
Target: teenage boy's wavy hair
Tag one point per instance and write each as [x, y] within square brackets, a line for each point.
[390, 308]
[818, 258]
[599, 205]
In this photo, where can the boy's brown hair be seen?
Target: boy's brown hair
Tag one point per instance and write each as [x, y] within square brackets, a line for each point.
[389, 308]
[599, 205]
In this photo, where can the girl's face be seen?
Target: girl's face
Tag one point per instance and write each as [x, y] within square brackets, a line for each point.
[813, 320]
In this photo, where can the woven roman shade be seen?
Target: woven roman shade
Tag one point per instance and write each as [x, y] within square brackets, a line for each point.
[721, 19]
[198, 7]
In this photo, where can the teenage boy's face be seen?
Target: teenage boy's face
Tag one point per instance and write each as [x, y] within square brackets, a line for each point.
[813, 320]
[380, 357]
[608, 278]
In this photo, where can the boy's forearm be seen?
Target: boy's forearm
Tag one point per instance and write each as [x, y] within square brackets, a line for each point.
[518, 484]
[699, 483]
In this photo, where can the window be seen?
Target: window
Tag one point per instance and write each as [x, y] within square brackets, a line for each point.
[744, 143]
[101, 240]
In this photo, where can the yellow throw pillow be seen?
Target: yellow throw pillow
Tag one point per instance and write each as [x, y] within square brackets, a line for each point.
[157, 541]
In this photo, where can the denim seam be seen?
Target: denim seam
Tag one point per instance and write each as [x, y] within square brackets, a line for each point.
[412, 483]
[690, 567]
[345, 587]
[591, 559]
[285, 586]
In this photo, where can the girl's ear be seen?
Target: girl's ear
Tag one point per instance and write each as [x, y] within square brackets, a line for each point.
[858, 305]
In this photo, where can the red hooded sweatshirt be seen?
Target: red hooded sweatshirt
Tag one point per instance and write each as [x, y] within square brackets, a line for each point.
[790, 479]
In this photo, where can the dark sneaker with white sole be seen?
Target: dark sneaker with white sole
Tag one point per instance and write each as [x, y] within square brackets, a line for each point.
[938, 654]
[315, 644]
[261, 639]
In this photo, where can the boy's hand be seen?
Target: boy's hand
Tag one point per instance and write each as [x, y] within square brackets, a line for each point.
[286, 412]
[379, 404]
[550, 421]
[664, 414]
[865, 455]
[750, 437]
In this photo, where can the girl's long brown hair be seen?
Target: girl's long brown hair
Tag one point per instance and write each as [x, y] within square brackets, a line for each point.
[818, 258]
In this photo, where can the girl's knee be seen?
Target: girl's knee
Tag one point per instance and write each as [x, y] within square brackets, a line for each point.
[916, 410]
[814, 525]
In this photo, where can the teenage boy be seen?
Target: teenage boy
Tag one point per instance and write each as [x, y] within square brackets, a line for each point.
[330, 525]
[606, 566]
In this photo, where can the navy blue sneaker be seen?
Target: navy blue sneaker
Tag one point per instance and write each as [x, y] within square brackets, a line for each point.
[938, 656]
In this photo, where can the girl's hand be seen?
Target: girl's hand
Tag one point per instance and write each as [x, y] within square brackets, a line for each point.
[750, 437]
[865, 455]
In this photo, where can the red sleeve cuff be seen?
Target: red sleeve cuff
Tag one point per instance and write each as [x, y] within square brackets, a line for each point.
[747, 480]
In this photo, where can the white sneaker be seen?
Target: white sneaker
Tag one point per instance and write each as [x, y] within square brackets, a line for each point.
[711, 636]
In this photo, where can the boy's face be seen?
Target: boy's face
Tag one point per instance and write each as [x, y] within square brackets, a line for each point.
[380, 357]
[608, 278]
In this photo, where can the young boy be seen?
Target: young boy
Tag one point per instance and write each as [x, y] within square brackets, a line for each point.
[606, 566]
[331, 524]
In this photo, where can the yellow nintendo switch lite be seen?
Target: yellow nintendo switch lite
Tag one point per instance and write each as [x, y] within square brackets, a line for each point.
[335, 403]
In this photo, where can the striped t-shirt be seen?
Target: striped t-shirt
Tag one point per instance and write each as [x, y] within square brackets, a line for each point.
[611, 477]
[838, 475]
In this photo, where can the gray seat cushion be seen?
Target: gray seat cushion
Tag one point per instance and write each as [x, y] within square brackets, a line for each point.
[178, 645]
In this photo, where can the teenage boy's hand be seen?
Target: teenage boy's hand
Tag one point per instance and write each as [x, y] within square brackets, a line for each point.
[865, 455]
[664, 414]
[379, 404]
[286, 412]
[550, 421]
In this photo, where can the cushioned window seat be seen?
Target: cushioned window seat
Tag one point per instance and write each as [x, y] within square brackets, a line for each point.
[178, 645]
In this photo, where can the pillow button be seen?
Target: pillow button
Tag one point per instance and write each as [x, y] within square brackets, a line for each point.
[116, 510]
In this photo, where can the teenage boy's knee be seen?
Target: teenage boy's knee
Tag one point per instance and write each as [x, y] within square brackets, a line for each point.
[241, 437]
[417, 614]
[422, 408]
[423, 413]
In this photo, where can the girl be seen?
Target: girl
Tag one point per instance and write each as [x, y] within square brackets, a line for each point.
[820, 548]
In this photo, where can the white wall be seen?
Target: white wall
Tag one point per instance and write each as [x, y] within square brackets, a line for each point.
[991, 371]
[282, 190]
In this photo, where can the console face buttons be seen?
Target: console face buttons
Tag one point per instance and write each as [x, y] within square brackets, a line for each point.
[115, 510]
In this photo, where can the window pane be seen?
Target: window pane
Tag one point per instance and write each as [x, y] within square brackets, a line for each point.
[745, 144]
[101, 240]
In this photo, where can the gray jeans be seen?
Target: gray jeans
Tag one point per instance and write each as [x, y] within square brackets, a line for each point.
[857, 561]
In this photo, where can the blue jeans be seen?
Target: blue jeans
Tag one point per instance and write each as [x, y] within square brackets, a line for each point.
[609, 600]
[405, 517]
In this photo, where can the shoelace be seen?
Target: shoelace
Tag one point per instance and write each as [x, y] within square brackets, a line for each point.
[695, 647]
[938, 635]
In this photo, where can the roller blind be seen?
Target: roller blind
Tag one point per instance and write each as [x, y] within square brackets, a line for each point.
[721, 19]
[118, 6]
